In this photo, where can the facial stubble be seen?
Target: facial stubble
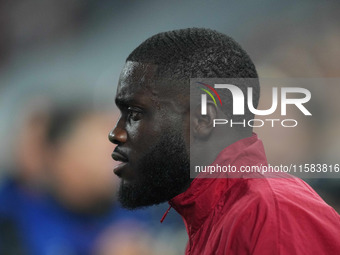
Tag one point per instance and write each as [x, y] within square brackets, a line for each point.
[163, 173]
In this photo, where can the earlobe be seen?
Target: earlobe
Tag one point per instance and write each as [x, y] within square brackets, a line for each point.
[203, 124]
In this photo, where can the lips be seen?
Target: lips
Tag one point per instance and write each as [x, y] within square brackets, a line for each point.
[117, 155]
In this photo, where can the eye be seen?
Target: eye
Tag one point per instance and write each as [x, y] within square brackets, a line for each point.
[134, 114]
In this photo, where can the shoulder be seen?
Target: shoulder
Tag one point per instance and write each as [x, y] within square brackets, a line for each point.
[278, 215]
[286, 200]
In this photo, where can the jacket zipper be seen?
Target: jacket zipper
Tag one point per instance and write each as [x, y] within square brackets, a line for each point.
[166, 213]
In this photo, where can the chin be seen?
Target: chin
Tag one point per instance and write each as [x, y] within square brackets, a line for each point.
[132, 195]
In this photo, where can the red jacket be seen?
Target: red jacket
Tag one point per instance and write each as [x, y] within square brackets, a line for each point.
[256, 215]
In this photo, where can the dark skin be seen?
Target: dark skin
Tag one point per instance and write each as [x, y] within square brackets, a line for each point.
[146, 112]
[150, 108]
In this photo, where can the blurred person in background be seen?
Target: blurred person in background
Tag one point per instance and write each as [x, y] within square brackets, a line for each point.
[75, 164]
[61, 197]
[24, 182]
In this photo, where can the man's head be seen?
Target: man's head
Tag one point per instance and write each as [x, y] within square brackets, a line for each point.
[155, 127]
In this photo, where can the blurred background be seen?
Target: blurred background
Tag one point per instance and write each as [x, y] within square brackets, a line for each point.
[59, 67]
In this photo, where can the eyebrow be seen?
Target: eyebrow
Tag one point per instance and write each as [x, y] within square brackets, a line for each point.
[124, 102]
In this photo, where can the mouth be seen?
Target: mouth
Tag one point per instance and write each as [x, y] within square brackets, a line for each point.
[121, 157]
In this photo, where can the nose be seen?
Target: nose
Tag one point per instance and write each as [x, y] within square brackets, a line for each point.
[117, 135]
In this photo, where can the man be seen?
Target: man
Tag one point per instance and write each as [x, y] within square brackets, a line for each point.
[157, 131]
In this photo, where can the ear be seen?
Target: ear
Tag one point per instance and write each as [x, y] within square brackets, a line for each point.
[203, 124]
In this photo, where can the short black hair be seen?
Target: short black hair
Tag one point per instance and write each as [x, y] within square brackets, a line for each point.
[198, 53]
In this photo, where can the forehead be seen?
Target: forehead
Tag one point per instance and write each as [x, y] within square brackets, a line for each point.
[139, 84]
[137, 72]
[135, 80]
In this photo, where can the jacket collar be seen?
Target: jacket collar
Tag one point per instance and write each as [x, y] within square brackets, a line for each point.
[200, 199]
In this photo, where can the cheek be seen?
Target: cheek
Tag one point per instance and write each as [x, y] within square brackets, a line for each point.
[143, 133]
